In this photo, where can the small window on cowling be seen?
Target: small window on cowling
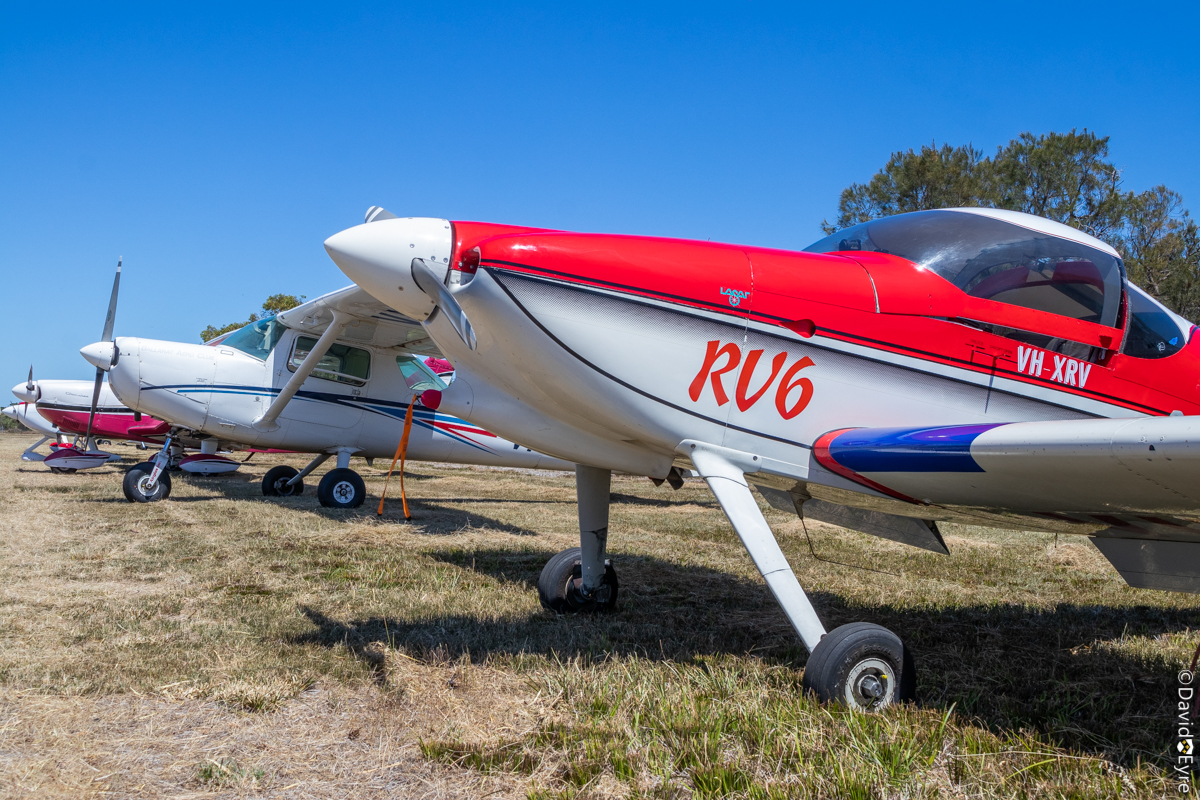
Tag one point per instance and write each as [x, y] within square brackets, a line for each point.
[342, 363]
[417, 376]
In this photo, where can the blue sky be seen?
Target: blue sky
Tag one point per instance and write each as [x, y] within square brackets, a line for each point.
[217, 147]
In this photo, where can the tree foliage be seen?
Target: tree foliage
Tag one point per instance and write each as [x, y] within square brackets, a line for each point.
[1067, 177]
[272, 305]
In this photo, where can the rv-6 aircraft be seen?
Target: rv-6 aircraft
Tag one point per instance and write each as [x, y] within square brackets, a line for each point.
[334, 376]
[982, 366]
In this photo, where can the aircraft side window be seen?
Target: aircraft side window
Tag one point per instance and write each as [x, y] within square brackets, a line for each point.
[417, 376]
[343, 363]
[1153, 332]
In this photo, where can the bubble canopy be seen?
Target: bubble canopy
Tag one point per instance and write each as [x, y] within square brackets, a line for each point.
[988, 254]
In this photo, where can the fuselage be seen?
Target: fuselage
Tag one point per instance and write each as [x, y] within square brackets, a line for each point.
[67, 405]
[220, 390]
[630, 345]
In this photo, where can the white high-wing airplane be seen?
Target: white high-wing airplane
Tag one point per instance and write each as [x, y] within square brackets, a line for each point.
[334, 376]
[27, 414]
[974, 365]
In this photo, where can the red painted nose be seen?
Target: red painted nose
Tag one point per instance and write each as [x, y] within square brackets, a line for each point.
[431, 398]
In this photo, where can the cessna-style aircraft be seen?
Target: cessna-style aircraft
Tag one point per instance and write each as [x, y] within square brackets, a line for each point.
[27, 414]
[334, 376]
[62, 408]
[981, 366]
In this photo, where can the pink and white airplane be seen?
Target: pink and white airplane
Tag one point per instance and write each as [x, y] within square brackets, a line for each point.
[62, 408]
[334, 377]
[981, 366]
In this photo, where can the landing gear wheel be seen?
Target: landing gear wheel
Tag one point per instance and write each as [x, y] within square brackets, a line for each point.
[135, 484]
[275, 482]
[863, 665]
[62, 471]
[341, 488]
[560, 586]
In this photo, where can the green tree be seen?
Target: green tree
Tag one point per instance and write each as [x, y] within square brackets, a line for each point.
[274, 304]
[915, 181]
[1061, 176]
[1161, 246]
[1066, 177]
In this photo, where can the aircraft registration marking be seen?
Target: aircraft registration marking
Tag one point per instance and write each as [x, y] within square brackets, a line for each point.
[732, 355]
[1067, 371]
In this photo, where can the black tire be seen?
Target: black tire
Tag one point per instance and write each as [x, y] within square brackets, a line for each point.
[274, 483]
[846, 660]
[558, 585]
[341, 488]
[135, 478]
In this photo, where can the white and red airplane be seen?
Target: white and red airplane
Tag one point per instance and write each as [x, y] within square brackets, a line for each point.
[62, 408]
[981, 366]
[334, 377]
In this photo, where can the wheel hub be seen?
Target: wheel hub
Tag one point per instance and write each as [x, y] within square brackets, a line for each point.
[343, 491]
[871, 685]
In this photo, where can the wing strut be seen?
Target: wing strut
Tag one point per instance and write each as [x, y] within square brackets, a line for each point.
[267, 422]
[725, 472]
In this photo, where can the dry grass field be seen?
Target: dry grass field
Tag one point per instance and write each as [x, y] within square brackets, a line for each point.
[219, 644]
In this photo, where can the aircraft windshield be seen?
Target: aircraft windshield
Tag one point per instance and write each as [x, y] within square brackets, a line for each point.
[257, 339]
[997, 260]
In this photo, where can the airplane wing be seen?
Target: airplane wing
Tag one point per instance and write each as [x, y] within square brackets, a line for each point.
[373, 323]
[1132, 484]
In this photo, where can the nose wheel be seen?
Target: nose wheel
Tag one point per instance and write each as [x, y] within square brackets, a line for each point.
[561, 589]
[137, 488]
[862, 665]
[341, 488]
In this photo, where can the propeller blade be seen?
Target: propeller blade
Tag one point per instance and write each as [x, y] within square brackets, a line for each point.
[427, 281]
[95, 401]
[109, 320]
[111, 317]
[29, 383]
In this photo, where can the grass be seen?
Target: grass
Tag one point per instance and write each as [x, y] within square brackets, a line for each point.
[296, 650]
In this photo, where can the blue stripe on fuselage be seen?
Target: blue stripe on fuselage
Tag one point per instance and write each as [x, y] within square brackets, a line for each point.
[944, 449]
[423, 417]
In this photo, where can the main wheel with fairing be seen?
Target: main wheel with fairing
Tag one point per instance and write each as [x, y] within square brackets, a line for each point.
[136, 484]
[341, 488]
[862, 665]
[560, 586]
[275, 482]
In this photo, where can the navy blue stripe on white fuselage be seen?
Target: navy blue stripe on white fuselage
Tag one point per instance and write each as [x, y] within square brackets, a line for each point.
[388, 408]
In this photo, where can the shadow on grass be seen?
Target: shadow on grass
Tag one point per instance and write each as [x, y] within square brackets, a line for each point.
[1008, 667]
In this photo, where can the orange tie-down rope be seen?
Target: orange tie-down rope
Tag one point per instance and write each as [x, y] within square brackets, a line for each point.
[401, 449]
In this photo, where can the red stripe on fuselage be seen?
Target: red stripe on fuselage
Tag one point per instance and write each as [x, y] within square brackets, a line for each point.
[671, 273]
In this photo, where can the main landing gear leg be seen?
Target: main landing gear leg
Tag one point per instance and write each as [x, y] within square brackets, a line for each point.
[860, 664]
[285, 481]
[30, 455]
[581, 579]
